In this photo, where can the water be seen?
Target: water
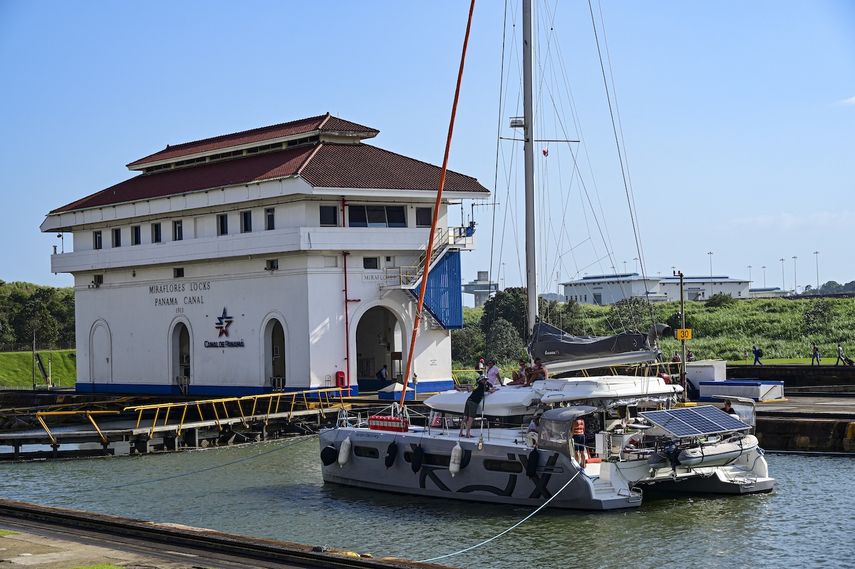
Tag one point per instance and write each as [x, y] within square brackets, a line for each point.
[275, 490]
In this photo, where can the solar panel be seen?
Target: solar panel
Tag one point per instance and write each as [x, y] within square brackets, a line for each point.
[694, 421]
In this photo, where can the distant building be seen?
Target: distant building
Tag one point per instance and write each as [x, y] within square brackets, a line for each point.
[280, 258]
[768, 292]
[481, 288]
[609, 289]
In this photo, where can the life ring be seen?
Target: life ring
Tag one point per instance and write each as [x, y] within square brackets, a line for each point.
[391, 454]
[418, 456]
[328, 455]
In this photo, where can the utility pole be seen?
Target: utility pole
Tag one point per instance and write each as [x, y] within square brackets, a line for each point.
[783, 282]
[795, 276]
[710, 253]
[683, 340]
[528, 151]
[816, 257]
[764, 275]
[749, 276]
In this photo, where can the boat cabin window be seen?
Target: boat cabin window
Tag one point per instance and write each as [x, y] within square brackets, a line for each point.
[366, 452]
[503, 466]
[554, 434]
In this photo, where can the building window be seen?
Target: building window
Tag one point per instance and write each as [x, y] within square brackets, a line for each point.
[370, 262]
[178, 272]
[376, 216]
[117, 237]
[424, 216]
[136, 235]
[177, 230]
[155, 233]
[98, 280]
[329, 216]
[96, 239]
[245, 221]
[269, 219]
[222, 224]
[271, 265]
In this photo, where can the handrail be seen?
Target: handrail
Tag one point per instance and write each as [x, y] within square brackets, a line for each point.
[40, 417]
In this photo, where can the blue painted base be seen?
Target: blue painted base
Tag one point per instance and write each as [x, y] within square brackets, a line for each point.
[194, 391]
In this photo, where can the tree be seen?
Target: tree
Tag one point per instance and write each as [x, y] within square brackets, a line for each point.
[629, 314]
[503, 342]
[467, 345]
[720, 299]
[509, 305]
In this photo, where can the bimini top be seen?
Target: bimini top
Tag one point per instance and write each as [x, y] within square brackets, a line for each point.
[695, 421]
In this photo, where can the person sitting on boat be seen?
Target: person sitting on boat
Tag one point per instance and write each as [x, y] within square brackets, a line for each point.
[470, 410]
[728, 409]
[579, 441]
[675, 359]
[537, 371]
[493, 373]
[519, 375]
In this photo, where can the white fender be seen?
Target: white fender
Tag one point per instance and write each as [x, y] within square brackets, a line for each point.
[344, 452]
[455, 460]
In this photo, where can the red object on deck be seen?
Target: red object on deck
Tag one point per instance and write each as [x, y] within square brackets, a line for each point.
[386, 423]
[340, 381]
[665, 377]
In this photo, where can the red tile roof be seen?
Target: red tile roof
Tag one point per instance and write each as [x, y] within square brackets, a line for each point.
[322, 123]
[332, 166]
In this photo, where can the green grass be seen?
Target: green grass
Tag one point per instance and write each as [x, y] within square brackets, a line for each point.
[16, 368]
[6, 532]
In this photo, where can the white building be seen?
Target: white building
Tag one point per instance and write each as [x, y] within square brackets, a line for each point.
[608, 289]
[282, 257]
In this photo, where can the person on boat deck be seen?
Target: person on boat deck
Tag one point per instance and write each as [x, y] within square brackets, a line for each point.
[728, 409]
[814, 355]
[579, 441]
[690, 356]
[537, 371]
[758, 353]
[493, 373]
[383, 374]
[470, 410]
[519, 375]
[479, 367]
[534, 430]
[675, 359]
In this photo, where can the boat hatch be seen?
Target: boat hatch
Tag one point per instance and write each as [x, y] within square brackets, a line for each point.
[695, 421]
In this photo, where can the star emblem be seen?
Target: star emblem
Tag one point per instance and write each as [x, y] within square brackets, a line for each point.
[223, 323]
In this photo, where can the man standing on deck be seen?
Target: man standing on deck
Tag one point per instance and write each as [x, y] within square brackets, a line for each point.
[470, 410]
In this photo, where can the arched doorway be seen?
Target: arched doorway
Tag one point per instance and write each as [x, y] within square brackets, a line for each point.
[379, 341]
[181, 367]
[274, 354]
[100, 354]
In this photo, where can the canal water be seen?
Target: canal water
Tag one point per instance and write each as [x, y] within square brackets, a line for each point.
[275, 490]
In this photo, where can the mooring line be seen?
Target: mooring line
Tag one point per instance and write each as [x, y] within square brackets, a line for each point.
[208, 469]
[516, 525]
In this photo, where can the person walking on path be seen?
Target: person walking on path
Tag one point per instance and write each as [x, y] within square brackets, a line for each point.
[758, 353]
[814, 355]
[841, 357]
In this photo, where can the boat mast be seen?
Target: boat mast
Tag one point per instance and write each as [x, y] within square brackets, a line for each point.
[528, 136]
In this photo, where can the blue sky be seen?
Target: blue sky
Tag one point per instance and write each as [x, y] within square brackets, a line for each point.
[738, 117]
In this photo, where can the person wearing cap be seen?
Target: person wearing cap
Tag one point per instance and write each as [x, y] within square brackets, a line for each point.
[493, 373]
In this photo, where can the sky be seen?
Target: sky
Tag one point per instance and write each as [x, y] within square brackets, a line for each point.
[737, 118]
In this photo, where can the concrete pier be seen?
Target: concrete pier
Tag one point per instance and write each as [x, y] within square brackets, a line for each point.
[43, 537]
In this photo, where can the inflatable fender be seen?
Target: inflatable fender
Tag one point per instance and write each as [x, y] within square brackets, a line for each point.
[344, 452]
[328, 455]
[418, 456]
[455, 460]
[531, 463]
[391, 454]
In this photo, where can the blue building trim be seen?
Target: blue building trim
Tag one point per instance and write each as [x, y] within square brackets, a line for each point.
[444, 294]
[194, 390]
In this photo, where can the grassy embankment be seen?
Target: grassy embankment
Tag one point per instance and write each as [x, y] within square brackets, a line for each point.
[16, 368]
[779, 327]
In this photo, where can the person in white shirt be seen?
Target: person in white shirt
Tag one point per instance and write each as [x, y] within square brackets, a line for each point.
[493, 374]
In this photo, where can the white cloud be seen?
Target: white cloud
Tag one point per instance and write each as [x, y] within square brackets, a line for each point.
[788, 221]
[849, 101]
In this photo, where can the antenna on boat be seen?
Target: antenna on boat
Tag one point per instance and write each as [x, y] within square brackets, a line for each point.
[437, 204]
[528, 151]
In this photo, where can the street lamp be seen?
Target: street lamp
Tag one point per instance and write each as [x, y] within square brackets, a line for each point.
[710, 253]
[636, 263]
[764, 275]
[795, 276]
[783, 282]
[816, 256]
[749, 276]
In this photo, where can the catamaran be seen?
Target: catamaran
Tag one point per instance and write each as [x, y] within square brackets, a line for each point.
[634, 437]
